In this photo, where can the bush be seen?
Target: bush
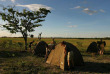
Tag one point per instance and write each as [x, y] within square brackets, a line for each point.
[9, 44]
[4, 44]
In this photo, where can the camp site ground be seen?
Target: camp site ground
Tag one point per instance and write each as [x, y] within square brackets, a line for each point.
[13, 61]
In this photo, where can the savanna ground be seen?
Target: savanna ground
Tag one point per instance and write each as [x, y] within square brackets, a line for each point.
[13, 61]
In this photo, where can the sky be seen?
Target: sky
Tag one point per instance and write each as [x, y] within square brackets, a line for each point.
[68, 18]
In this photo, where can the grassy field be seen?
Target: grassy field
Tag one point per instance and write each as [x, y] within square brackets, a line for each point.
[13, 61]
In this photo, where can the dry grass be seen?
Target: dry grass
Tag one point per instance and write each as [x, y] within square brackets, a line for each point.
[12, 61]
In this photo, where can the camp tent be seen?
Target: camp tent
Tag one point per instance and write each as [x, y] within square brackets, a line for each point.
[56, 57]
[40, 49]
[93, 48]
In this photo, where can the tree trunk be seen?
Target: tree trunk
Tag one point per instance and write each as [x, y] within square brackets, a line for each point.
[25, 43]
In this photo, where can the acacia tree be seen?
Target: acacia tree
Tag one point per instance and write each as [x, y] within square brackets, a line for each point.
[23, 22]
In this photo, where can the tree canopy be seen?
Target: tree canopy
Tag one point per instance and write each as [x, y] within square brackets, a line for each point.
[23, 22]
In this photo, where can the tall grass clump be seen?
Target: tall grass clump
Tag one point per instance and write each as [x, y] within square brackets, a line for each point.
[10, 45]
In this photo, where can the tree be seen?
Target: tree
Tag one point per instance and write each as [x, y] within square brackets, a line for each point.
[23, 22]
[31, 35]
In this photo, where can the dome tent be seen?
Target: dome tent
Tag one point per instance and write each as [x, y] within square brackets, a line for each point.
[40, 49]
[56, 57]
[93, 48]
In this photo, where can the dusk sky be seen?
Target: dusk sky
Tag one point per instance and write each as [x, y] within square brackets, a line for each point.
[68, 18]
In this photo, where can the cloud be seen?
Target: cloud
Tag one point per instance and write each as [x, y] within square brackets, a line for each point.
[101, 10]
[5, 33]
[10, 0]
[88, 11]
[77, 7]
[2, 0]
[72, 26]
[13, 1]
[35, 7]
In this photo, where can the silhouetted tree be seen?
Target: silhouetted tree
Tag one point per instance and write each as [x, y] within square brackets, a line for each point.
[23, 22]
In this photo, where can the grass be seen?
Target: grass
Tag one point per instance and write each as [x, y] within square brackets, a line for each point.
[13, 61]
